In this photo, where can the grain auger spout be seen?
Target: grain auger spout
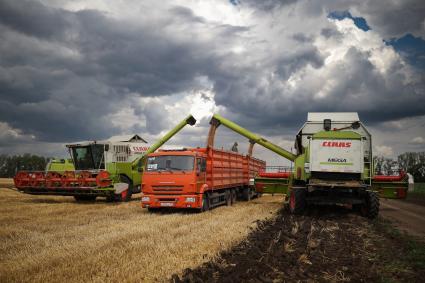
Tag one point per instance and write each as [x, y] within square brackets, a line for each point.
[189, 120]
[217, 120]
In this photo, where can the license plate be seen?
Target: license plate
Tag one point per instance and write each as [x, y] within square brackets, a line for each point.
[167, 204]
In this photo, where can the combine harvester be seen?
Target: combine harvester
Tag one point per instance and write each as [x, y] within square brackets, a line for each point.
[198, 178]
[110, 169]
[332, 165]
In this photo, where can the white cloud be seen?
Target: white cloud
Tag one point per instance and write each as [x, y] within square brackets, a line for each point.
[383, 150]
[418, 140]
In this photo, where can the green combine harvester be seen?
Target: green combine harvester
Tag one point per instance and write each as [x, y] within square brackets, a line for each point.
[111, 169]
[332, 165]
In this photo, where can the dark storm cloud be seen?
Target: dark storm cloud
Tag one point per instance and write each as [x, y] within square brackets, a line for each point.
[33, 18]
[63, 73]
[358, 87]
[267, 5]
[394, 18]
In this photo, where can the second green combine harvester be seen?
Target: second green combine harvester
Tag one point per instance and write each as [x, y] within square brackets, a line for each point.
[111, 169]
[332, 163]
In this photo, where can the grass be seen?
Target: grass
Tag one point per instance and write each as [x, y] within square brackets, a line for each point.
[401, 256]
[419, 188]
[417, 196]
[54, 239]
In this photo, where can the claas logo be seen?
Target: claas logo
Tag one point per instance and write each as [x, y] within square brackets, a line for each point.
[140, 148]
[336, 144]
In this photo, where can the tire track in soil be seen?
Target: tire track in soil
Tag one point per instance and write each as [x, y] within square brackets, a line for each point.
[329, 244]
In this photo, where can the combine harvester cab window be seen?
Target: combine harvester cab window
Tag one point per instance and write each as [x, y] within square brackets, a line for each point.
[88, 157]
[170, 163]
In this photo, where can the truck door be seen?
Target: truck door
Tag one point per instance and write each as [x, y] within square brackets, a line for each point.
[201, 173]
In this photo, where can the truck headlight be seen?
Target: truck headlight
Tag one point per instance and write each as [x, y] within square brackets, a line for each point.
[307, 167]
[191, 199]
[252, 182]
[146, 198]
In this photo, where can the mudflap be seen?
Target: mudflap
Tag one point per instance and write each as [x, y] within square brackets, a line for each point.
[121, 189]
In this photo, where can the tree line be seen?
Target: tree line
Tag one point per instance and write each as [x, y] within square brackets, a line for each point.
[9, 165]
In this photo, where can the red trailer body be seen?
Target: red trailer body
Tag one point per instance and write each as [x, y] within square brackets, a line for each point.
[198, 178]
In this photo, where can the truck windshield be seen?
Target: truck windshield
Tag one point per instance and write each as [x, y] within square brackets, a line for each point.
[88, 157]
[170, 162]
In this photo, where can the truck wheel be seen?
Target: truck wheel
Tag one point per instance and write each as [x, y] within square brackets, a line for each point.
[205, 203]
[297, 201]
[370, 208]
[153, 209]
[234, 196]
[228, 194]
[82, 198]
[126, 195]
[246, 194]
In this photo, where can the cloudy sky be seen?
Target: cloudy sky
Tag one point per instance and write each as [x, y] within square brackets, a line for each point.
[84, 70]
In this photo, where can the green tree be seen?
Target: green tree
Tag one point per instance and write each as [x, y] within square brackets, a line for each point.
[9, 165]
[413, 163]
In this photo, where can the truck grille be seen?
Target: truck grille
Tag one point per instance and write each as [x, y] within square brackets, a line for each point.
[168, 189]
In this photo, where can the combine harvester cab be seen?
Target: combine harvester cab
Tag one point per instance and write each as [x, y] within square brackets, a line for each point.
[111, 169]
[332, 164]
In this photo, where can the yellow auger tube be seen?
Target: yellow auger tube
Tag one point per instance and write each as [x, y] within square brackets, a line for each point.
[253, 138]
[188, 120]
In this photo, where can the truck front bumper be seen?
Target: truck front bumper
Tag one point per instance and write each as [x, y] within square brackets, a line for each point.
[173, 201]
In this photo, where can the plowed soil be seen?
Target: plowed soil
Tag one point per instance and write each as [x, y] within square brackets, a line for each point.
[326, 245]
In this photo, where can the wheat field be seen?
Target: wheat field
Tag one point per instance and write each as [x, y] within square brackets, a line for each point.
[51, 238]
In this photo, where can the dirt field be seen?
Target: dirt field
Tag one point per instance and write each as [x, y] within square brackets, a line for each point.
[47, 238]
[54, 239]
[327, 245]
[408, 217]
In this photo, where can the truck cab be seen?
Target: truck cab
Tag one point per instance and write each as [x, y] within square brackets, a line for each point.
[174, 178]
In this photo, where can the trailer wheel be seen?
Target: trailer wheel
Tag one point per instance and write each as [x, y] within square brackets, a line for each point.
[229, 197]
[246, 194]
[87, 198]
[370, 208]
[297, 200]
[205, 203]
[234, 196]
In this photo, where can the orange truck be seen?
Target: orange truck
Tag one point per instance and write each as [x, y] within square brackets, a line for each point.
[197, 178]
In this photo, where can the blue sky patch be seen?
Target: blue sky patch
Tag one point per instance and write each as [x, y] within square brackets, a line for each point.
[411, 48]
[358, 21]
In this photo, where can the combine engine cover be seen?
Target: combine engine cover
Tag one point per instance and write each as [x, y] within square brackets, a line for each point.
[342, 156]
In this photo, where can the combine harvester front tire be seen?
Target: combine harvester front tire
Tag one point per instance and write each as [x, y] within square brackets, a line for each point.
[370, 208]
